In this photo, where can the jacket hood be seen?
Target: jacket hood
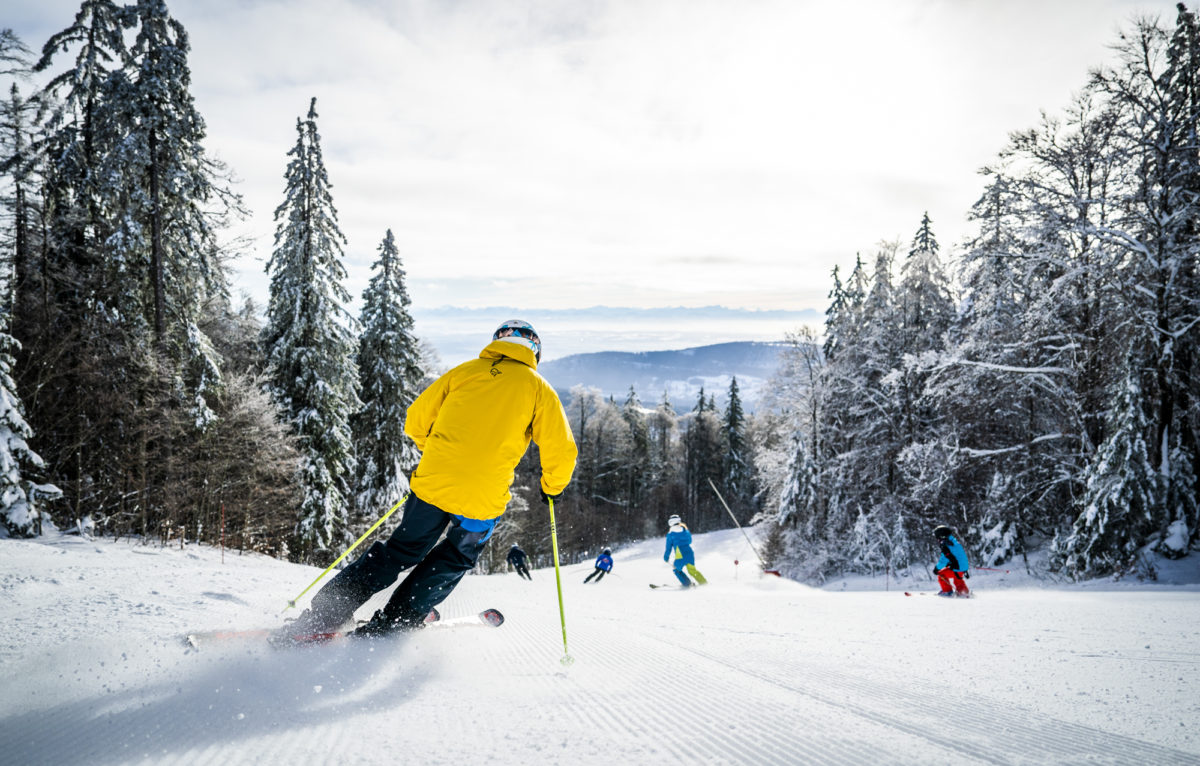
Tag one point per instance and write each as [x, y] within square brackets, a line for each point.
[501, 349]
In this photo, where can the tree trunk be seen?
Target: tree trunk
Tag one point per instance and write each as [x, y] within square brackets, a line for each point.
[156, 254]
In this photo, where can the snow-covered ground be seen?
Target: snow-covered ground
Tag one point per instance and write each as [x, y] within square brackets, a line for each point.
[746, 670]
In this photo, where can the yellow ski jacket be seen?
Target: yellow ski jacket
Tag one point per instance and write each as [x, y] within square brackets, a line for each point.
[474, 423]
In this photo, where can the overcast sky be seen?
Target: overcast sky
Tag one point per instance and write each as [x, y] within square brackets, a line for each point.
[642, 153]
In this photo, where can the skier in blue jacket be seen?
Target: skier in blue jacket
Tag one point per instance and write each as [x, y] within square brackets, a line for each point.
[952, 566]
[679, 539]
[604, 565]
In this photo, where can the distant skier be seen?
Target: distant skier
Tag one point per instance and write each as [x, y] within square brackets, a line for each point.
[952, 566]
[516, 557]
[472, 425]
[679, 539]
[604, 565]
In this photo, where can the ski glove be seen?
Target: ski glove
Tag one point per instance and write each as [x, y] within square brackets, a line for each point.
[547, 498]
[966, 575]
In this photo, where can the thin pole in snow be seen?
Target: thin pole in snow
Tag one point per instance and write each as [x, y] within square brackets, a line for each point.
[739, 526]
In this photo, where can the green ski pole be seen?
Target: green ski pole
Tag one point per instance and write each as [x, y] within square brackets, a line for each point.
[365, 535]
[567, 659]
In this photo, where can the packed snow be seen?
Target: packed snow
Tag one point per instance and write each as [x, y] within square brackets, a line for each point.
[749, 669]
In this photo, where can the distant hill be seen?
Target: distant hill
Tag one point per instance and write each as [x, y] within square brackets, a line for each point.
[680, 373]
[458, 333]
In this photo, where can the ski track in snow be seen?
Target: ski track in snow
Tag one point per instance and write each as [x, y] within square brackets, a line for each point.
[747, 670]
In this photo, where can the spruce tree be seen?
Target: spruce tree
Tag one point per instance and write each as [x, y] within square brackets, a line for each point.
[636, 457]
[75, 147]
[1121, 505]
[924, 293]
[20, 165]
[1154, 88]
[738, 469]
[133, 206]
[19, 495]
[703, 462]
[310, 347]
[167, 201]
[797, 500]
[390, 374]
[926, 314]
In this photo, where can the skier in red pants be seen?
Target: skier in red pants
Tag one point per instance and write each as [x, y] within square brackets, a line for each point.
[952, 568]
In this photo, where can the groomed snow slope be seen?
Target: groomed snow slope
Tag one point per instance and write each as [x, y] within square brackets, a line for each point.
[747, 670]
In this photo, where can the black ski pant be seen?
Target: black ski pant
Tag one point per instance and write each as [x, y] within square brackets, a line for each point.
[523, 571]
[598, 574]
[436, 568]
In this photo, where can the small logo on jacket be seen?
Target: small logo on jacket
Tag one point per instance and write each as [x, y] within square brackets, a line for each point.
[494, 372]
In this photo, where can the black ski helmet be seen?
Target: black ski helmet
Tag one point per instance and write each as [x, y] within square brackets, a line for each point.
[607, 551]
[942, 531]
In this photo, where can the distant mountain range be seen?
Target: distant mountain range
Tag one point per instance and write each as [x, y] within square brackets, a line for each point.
[681, 374]
[459, 333]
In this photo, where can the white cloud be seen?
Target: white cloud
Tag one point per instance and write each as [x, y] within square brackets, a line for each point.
[671, 151]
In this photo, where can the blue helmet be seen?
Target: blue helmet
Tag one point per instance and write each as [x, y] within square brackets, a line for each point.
[518, 331]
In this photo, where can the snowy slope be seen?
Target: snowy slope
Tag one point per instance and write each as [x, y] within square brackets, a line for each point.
[748, 669]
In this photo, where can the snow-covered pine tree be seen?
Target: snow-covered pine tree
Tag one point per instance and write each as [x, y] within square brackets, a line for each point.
[20, 212]
[737, 473]
[1002, 406]
[1121, 506]
[902, 550]
[635, 459]
[998, 533]
[598, 483]
[863, 407]
[926, 303]
[702, 461]
[798, 498]
[20, 515]
[166, 199]
[74, 147]
[663, 425]
[390, 374]
[789, 415]
[132, 207]
[1065, 172]
[1156, 237]
[1182, 493]
[838, 317]
[866, 545]
[927, 313]
[309, 344]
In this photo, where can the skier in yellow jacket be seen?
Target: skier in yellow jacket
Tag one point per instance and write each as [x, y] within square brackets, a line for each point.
[472, 425]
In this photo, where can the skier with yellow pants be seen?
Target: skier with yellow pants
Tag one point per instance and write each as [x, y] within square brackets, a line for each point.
[679, 539]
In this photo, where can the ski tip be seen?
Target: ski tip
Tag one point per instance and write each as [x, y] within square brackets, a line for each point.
[492, 617]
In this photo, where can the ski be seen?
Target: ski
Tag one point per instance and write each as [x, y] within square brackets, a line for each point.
[488, 618]
[935, 594]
